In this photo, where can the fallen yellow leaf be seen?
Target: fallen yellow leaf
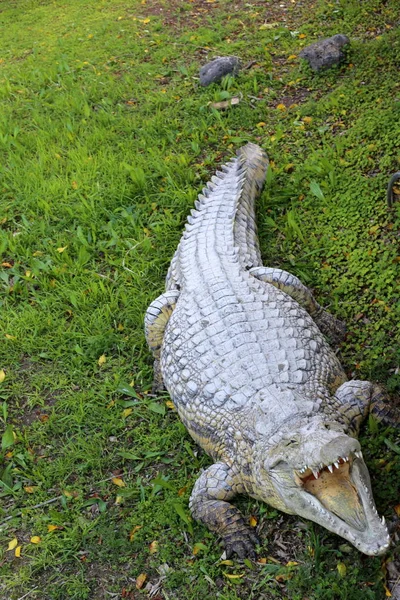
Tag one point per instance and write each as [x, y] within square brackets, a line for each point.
[397, 509]
[170, 404]
[261, 124]
[134, 531]
[146, 21]
[281, 107]
[118, 481]
[10, 337]
[61, 249]
[140, 581]
[119, 500]
[302, 36]
[307, 120]
[7, 265]
[35, 539]
[342, 569]
[102, 360]
[253, 521]
[127, 412]
[18, 551]
[51, 528]
[292, 56]
[2, 375]
[153, 547]
[13, 544]
[30, 489]
[234, 575]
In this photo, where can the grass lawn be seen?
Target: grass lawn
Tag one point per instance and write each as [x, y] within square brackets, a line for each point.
[105, 140]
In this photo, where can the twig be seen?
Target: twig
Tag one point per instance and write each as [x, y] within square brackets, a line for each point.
[27, 593]
[18, 514]
[51, 500]
[249, 65]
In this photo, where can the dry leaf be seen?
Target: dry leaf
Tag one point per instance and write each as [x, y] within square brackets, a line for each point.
[30, 489]
[2, 375]
[127, 412]
[13, 544]
[302, 36]
[10, 337]
[7, 265]
[170, 404]
[51, 528]
[388, 593]
[140, 581]
[18, 551]
[61, 250]
[35, 539]
[281, 107]
[397, 509]
[118, 481]
[134, 531]
[253, 521]
[102, 360]
[225, 103]
[153, 547]
[119, 500]
[234, 575]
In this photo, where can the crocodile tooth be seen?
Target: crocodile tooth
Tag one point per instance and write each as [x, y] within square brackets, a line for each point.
[336, 464]
[383, 521]
[330, 468]
[358, 454]
[315, 473]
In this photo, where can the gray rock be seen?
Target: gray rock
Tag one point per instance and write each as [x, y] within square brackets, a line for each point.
[326, 53]
[218, 68]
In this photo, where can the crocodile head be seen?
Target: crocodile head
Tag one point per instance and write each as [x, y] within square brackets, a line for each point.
[318, 472]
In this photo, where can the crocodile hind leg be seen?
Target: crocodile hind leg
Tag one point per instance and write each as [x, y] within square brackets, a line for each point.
[209, 505]
[356, 399]
[155, 322]
[329, 325]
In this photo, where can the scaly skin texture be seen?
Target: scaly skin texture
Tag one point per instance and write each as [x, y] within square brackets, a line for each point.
[243, 355]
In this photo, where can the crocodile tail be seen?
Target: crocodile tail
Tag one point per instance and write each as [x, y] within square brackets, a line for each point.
[254, 164]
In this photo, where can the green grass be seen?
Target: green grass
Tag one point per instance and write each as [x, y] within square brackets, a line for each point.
[105, 140]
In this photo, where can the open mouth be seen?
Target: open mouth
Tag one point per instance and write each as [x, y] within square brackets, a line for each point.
[339, 496]
[333, 487]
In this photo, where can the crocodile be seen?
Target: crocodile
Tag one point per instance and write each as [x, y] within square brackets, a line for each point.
[247, 356]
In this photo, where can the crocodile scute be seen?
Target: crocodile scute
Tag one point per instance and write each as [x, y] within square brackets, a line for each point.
[244, 352]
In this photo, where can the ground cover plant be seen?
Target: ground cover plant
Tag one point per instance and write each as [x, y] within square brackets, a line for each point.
[105, 140]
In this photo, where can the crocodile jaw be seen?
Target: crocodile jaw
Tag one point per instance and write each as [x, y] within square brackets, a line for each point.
[341, 502]
[317, 471]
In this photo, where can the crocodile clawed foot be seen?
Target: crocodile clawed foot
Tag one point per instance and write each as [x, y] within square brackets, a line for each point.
[241, 543]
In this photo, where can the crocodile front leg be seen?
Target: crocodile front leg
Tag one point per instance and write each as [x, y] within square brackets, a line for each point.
[329, 325]
[209, 505]
[155, 322]
[357, 399]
